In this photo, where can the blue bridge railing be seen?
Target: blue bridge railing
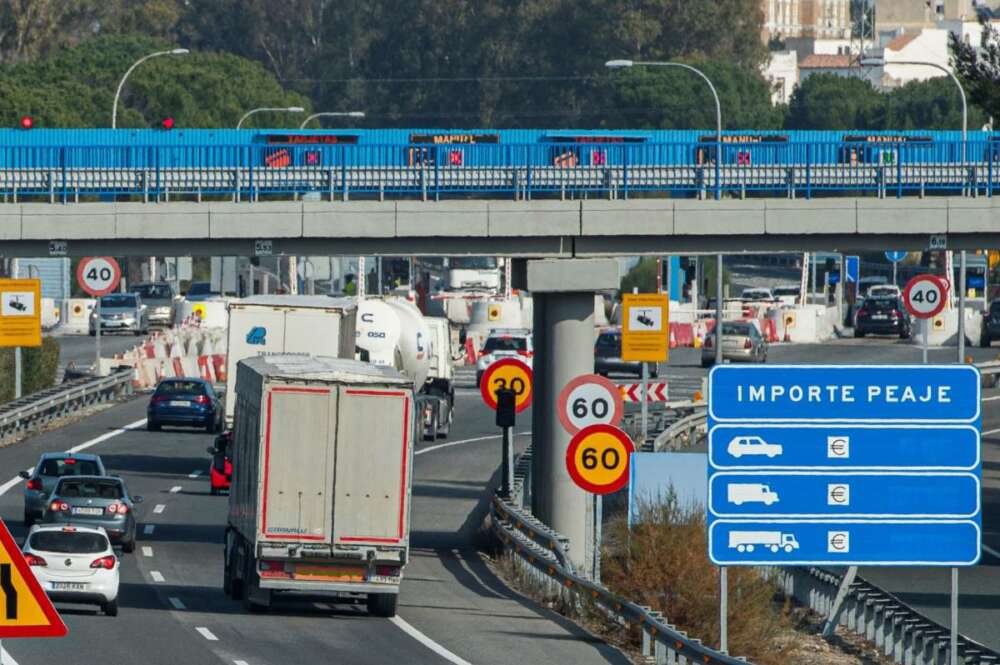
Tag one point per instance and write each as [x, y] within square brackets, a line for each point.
[617, 170]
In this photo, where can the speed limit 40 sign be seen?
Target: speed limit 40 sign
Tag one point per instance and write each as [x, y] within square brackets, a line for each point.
[98, 275]
[598, 458]
[590, 400]
[925, 296]
[507, 374]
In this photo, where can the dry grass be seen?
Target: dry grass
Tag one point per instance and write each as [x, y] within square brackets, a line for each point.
[662, 562]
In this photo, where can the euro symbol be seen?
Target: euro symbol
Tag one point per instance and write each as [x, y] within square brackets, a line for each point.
[838, 494]
[838, 542]
[9, 592]
[838, 447]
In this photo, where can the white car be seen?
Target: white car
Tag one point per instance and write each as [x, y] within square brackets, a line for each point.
[74, 564]
[757, 295]
[505, 343]
[753, 445]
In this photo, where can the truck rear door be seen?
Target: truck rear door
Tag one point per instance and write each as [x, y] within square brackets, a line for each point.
[298, 463]
[317, 330]
[374, 435]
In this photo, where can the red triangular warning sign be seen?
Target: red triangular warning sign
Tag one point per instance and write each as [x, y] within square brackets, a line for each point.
[25, 610]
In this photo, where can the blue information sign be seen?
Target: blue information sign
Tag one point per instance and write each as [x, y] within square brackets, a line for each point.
[896, 255]
[852, 269]
[845, 465]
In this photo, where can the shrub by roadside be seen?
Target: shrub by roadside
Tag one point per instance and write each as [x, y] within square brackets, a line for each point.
[38, 367]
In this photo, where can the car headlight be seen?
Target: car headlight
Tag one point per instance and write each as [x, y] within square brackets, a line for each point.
[163, 310]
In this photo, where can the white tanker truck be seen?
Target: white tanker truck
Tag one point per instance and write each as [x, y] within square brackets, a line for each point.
[392, 332]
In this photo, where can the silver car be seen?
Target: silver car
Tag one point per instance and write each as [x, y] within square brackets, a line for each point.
[121, 312]
[47, 472]
[158, 297]
[741, 342]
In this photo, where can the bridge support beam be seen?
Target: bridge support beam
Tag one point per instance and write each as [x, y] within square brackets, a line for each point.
[563, 294]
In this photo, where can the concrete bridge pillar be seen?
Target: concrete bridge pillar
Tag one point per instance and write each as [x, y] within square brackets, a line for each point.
[563, 294]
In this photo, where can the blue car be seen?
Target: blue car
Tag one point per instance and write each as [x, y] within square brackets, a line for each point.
[184, 402]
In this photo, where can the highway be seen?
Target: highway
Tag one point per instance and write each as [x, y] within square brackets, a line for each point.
[453, 609]
[79, 349]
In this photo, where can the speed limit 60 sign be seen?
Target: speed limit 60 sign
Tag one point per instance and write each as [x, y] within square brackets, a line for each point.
[98, 275]
[590, 400]
[925, 296]
[510, 374]
[598, 459]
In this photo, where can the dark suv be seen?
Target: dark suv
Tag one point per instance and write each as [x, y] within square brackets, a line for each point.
[608, 356]
[991, 324]
[882, 316]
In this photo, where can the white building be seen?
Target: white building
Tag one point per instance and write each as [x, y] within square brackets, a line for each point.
[782, 72]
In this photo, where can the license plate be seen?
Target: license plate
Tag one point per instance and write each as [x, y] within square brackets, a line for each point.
[68, 586]
[880, 317]
[340, 573]
[88, 511]
[180, 402]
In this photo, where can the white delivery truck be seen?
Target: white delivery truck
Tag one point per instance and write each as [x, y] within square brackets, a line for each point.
[322, 474]
[258, 325]
[747, 541]
[392, 332]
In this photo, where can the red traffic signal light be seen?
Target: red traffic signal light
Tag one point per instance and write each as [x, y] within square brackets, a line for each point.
[168, 123]
[27, 122]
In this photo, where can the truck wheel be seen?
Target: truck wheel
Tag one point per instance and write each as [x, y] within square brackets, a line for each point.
[774, 549]
[382, 604]
[235, 583]
[741, 548]
[251, 586]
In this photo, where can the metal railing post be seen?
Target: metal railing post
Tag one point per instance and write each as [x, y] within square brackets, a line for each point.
[808, 170]
[718, 170]
[625, 171]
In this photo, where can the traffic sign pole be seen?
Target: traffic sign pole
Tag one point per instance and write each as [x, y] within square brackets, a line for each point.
[927, 329]
[961, 306]
[954, 616]
[97, 337]
[17, 372]
[645, 400]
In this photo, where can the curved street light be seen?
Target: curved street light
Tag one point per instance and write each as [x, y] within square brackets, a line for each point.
[121, 84]
[284, 109]
[332, 114]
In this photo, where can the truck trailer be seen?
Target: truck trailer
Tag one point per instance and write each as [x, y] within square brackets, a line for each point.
[321, 488]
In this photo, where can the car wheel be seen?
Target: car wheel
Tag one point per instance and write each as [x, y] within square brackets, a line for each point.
[479, 378]
[128, 546]
[858, 333]
[29, 521]
[215, 491]
[152, 425]
[110, 608]
[92, 333]
[705, 362]
[210, 427]
[904, 334]
[984, 341]
[382, 604]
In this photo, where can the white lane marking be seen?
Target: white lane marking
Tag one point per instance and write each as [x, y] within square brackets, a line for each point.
[464, 441]
[157, 576]
[991, 431]
[992, 552]
[991, 398]
[235, 662]
[207, 634]
[159, 508]
[6, 658]
[13, 482]
[175, 489]
[322, 606]
[147, 551]
[148, 529]
[176, 602]
[194, 474]
[427, 642]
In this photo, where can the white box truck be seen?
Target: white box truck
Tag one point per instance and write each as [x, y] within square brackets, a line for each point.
[318, 325]
[322, 474]
[746, 541]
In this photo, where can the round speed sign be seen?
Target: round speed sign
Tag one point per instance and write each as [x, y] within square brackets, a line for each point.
[98, 275]
[925, 296]
[507, 373]
[598, 459]
[589, 400]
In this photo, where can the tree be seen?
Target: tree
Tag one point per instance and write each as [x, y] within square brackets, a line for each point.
[827, 101]
[979, 69]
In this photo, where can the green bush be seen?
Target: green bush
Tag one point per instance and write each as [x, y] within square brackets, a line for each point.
[38, 368]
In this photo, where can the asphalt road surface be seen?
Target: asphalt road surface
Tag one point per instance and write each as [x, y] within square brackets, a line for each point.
[453, 609]
[79, 349]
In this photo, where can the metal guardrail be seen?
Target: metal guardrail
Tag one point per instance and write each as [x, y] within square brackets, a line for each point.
[688, 425]
[34, 411]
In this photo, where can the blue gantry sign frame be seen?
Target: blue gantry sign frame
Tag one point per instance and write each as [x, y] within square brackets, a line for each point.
[844, 465]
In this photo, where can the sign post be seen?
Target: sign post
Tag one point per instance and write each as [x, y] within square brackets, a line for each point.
[98, 276]
[506, 387]
[925, 297]
[645, 336]
[845, 466]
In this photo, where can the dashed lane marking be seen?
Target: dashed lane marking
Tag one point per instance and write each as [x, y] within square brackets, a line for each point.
[175, 489]
[159, 508]
[460, 442]
[400, 623]
[147, 551]
[235, 662]
[6, 658]
[207, 634]
[157, 576]
[177, 604]
[194, 474]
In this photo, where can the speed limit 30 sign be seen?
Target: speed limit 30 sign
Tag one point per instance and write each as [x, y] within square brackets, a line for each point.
[507, 374]
[925, 296]
[598, 459]
[98, 275]
[590, 400]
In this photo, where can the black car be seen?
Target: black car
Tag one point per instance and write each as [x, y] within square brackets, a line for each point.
[991, 324]
[882, 316]
[608, 357]
[185, 402]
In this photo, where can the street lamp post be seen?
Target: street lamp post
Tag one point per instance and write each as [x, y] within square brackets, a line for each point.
[283, 109]
[332, 114]
[121, 84]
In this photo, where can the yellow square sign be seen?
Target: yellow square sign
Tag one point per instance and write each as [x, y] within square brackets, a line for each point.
[20, 312]
[645, 327]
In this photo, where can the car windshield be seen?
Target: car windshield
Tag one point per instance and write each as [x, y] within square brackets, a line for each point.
[505, 343]
[882, 304]
[58, 468]
[180, 388]
[200, 289]
[787, 291]
[473, 263]
[90, 489]
[609, 341]
[154, 291]
[68, 542]
[736, 329]
[118, 301]
[757, 294]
